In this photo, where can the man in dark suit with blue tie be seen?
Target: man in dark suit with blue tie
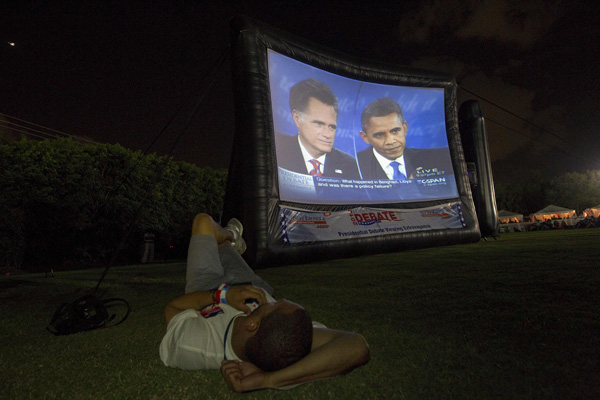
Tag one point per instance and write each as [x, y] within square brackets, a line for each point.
[314, 110]
[384, 128]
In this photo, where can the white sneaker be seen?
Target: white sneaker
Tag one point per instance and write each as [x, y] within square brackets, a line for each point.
[239, 245]
[236, 227]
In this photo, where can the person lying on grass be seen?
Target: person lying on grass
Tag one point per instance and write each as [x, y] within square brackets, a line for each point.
[228, 319]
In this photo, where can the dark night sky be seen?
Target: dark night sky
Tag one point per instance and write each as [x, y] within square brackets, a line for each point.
[117, 71]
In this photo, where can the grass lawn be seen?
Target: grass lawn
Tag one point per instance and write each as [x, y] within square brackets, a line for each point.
[515, 318]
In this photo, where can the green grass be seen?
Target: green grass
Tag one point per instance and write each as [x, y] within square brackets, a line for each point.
[515, 318]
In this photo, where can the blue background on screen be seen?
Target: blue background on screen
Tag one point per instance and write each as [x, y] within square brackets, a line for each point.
[423, 108]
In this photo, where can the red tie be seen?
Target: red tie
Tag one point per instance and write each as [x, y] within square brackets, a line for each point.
[316, 168]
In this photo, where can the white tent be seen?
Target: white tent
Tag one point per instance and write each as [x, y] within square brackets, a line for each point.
[508, 216]
[592, 211]
[553, 212]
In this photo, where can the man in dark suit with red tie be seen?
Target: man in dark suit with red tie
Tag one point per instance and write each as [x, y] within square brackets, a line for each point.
[384, 128]
[314, 111]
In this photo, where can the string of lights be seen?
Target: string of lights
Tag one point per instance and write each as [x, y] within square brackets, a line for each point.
[40, 132]
[37, 131]
[593, 164]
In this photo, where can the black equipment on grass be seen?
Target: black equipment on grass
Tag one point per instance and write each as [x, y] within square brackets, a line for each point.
[88, 313]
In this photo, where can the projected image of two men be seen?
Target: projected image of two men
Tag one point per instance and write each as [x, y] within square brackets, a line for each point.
[343, 141]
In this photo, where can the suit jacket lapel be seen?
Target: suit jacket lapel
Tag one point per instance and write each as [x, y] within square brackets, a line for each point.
[296, 159]
[410, 169]
[378, 172]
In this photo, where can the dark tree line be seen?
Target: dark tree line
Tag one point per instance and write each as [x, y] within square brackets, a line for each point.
[66, 205]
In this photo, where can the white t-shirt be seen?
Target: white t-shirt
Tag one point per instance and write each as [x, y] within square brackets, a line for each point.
[194, 342]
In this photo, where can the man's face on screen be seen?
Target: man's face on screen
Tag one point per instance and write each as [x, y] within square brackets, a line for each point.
[387, 135]
[316, 127]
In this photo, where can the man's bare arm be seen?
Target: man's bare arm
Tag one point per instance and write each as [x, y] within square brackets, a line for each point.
[333, 353]
[195, 300]
[235, 296]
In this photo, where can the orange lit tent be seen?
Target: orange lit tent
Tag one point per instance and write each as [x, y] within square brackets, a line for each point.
[507, 216]
[553, 212]
[592, 211]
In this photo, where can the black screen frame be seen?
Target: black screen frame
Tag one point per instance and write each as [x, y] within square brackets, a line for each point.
[252, 193]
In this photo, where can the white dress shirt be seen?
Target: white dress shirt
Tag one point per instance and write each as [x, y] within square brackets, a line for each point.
[385, 164]
[307, 157]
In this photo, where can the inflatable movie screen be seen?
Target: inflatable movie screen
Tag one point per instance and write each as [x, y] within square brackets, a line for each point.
[336, 156]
